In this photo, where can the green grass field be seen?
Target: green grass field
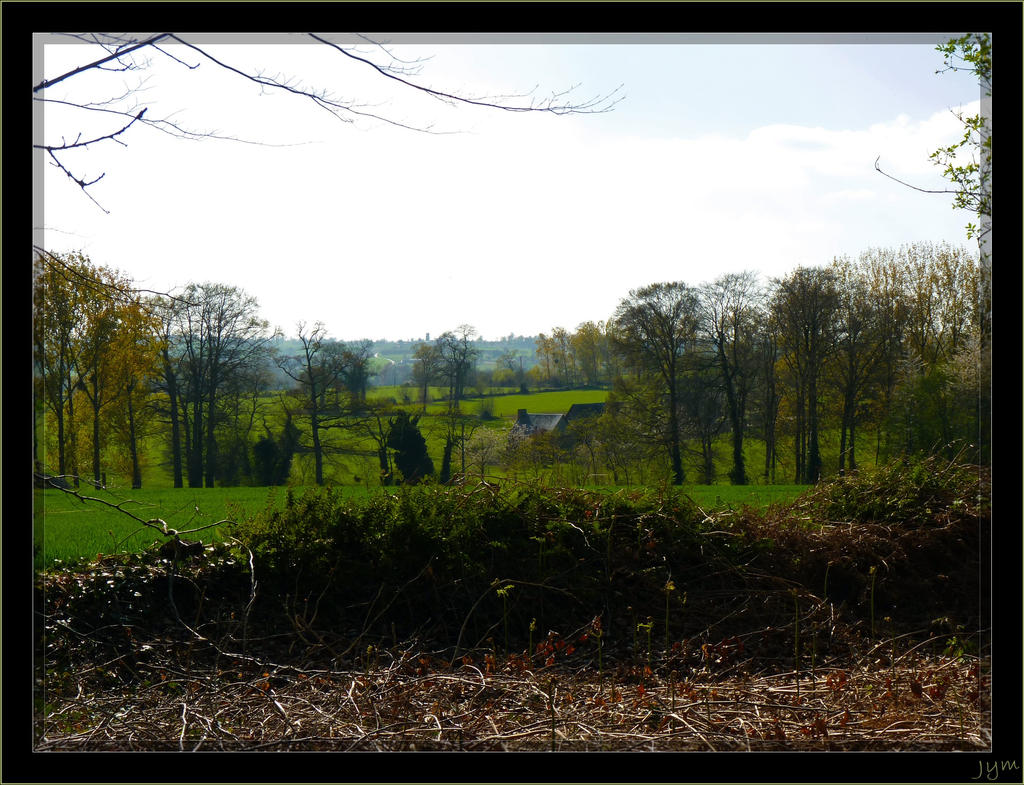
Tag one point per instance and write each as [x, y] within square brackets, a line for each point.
[535, 403]
[719, 497]
[67, 529]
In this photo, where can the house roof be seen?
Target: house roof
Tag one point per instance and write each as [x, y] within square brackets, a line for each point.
[550, 422]
[540, 422]
[584, 410]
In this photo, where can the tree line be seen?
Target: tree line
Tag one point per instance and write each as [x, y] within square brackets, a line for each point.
[886, 344]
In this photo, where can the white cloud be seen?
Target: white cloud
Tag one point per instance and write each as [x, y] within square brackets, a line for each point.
[523, 223]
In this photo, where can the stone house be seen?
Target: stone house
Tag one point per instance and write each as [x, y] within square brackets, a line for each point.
[544, 423]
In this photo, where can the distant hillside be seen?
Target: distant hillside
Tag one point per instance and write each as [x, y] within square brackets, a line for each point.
[400, 353]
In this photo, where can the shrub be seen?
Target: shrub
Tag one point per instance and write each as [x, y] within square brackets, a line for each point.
[442, 547]
[909, 491]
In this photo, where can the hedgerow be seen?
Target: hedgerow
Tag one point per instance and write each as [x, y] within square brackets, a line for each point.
[618, 594]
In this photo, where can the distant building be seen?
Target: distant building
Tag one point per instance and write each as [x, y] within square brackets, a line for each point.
[538, 423]
[543, 423]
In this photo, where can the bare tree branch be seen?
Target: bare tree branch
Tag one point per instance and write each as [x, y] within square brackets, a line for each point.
[901, 182]
[121, 48]
[103, 288]
[592, 106]
[320, 98]
[97, 63]
[159, 524]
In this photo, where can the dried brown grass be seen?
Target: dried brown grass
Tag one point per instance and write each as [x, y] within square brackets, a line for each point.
[416, 702]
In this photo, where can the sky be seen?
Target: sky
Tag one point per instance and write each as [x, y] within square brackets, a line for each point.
[721, 154]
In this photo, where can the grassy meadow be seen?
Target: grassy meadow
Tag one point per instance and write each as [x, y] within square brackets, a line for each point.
[67, 529]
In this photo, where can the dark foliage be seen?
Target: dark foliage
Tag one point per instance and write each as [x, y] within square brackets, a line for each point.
[411, 457]
[272, 457]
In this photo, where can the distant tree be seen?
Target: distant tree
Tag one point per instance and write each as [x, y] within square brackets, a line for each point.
[57, 313]
[218, 333]
[485, 448]
[546, 352]
[272, 455]
[968, 375]
[356, 367]
[702, 414]
[319, 371]
[565, 356]
[458, 356]
[805, 303]
[168, 402]
[728, 311]
[885, 276]
[859, 348]
[509, 365]
[265, 457]
[538, 454]
[590, 347]
[632, 430]
[456, 429]
[95, 348]
[583, 439]
[240, 404]
[410, 448]
[134, 365]
[654, 327]
[942, 327]
[370, 422]
[768, 354]
[427, 369]
[96, 377]
[967, 166]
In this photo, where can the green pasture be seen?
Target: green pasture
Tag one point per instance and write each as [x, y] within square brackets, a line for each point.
[67, 529]
[506, 406]
[407, 397]
[721, 497]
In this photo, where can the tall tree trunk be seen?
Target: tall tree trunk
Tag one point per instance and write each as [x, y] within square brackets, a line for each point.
[842, 446]
[446, 460]
[853, 460]
[845, 425]
[813, 450]
[172, 394]
[195, 458]
[210, 472]
[61, 457]
[798, 445]
[738, 473]
[318, 452]
[133, 446]
[771, 409]
[462, 450]
[73, 430]
[95, 400]
[709, 459]
[678, 476]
